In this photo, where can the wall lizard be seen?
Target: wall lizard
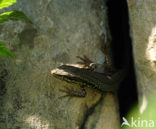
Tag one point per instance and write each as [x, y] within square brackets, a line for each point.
[86, 77]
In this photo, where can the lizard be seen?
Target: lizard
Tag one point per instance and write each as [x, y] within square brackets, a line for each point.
[88, 77]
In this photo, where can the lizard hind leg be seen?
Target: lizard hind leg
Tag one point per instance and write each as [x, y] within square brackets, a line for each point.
[71, 92]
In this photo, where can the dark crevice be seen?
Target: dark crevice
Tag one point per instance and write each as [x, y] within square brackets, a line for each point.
[90, 112]
[3, 74]
[122, 52]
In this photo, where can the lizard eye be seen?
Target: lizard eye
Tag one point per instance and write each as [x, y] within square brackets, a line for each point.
[93, 66]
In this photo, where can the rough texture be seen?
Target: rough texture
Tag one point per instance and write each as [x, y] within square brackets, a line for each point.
[62, 30]
[143, 32]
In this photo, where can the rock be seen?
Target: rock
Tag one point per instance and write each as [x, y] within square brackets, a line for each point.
[61, 30]
[143, 31]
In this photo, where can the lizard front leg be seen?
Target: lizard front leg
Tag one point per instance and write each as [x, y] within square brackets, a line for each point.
[87, 63]
[71, 92]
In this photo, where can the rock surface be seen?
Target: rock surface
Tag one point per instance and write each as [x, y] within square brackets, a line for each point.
[62, 30]
[143, 32]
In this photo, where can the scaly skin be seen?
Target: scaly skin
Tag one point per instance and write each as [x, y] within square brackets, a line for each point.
[86, 78]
